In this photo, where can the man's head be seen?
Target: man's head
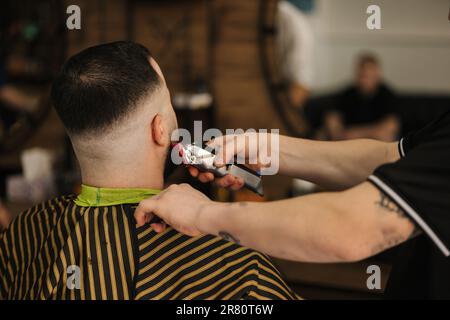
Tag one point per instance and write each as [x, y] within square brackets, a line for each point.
[368, 73]
[114, 102]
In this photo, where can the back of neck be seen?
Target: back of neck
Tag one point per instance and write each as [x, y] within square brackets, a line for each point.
[125, 175]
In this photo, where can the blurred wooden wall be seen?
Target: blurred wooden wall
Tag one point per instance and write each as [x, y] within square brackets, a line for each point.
[241, 95]
[222, 39]
[175, 32]
[242, 99]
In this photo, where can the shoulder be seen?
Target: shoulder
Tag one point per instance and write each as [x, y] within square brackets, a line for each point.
[36, 220]
[434, 135]
[45, 209]
[25, 235]
[257, 271]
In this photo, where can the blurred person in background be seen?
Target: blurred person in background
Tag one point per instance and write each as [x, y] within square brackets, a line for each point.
[366, 109]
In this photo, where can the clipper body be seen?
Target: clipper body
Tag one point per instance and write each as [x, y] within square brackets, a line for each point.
[204, 161]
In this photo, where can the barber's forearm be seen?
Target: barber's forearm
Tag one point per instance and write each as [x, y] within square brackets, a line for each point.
[304, 229]
[334, 165]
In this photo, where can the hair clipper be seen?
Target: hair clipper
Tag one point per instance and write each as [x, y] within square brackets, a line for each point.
[204, 161]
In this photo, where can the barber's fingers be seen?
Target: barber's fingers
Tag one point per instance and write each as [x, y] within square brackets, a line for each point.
[237, 185]
[202, 176]
[227, 147]
[206, 177]
[228, 181]
[193, 171]
[158, 227]
[144, 212]
[231, 182]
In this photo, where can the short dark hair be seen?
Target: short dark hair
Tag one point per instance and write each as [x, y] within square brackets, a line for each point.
[99, 86]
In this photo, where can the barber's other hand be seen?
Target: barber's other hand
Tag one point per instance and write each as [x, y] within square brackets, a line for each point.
[179, 207]
[246, 145]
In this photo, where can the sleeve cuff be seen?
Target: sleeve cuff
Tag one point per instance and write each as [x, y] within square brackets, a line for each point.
[409, 211]
[401, 147]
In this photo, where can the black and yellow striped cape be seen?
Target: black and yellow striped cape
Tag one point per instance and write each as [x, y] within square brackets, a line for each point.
[117, 260]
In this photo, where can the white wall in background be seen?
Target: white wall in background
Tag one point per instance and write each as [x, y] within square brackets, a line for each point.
[413, 44]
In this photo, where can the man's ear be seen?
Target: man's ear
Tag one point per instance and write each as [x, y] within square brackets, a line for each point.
[158, 134]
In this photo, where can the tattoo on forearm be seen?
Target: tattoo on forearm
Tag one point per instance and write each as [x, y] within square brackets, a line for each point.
[228, 237]
[387, 204]
[390, 237]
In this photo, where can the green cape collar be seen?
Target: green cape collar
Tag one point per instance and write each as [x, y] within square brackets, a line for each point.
[100, 197]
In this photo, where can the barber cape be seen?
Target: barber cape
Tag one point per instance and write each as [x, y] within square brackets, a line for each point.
[89, 247]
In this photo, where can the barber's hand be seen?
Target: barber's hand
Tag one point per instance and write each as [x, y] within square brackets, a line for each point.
[227, 147]
[178, 206]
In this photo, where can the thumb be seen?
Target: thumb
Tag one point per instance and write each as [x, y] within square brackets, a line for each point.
[145, 211]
